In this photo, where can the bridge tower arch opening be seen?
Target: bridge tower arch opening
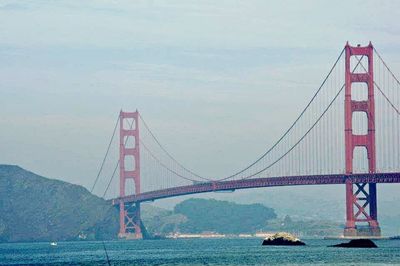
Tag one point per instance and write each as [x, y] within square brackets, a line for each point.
[129, 170]
[361, 199]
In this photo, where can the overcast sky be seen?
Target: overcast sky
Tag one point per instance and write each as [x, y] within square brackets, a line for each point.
[217, 81]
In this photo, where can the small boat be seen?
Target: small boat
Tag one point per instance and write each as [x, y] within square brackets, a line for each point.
[53, 243]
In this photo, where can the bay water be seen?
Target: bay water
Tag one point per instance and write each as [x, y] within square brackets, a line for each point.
[197, 252]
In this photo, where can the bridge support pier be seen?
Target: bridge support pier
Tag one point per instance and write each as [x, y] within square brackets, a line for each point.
[130, 223]
[361, 207]
[361, 201]
[129, 213]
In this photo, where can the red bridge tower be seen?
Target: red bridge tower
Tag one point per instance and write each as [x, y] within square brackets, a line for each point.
[361, 207]
[129, 168]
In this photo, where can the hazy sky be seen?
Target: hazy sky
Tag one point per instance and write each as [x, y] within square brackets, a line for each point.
[218, 81]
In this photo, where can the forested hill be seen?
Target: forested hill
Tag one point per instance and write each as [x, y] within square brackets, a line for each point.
[223, 216]
[35, 208]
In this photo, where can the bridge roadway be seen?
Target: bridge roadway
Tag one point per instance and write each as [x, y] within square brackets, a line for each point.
[258, 183]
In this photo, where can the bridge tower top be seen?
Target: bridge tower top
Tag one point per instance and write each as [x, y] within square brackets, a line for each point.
[129, 148]
[366, 106]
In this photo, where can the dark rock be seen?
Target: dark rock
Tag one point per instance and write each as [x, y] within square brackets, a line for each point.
[357, 243]
[282, 239]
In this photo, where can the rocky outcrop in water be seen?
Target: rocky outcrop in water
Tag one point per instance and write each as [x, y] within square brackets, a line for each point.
[357, 243]
[282, 239]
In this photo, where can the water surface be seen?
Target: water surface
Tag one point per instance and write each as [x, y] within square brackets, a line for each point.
[198, 252]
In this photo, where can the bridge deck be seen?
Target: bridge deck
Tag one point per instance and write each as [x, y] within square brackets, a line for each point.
[260, 182]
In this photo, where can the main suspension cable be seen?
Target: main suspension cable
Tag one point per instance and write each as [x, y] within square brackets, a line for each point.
[163, 165]
[303, 137]
[384, 63]
[111, 179]
[168, 154]
[308, 131]
[379, 88]
[116, 166]
[291, 127]
[105, 156]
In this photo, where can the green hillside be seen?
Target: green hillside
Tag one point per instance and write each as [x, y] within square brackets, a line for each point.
[223, 216]
[34, 208]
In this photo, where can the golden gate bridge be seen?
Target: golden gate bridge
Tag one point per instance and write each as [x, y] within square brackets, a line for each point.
[348, 134]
